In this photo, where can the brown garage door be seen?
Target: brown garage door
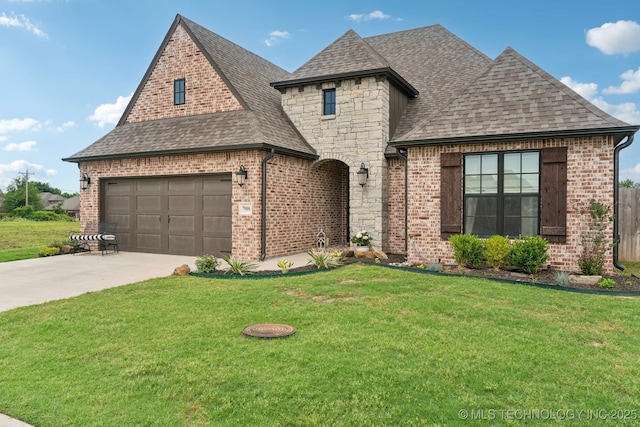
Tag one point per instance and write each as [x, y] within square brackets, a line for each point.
[180, 215]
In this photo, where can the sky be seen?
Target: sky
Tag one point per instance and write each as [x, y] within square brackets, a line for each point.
[69, 67]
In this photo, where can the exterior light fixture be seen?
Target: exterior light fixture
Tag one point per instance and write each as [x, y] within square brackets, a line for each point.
[85, 181]
[363, 175]
[241, 176]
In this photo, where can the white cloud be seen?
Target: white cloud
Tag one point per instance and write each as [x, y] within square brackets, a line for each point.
[13, 125]
[11, 170]
[619, 37]
[3, 138]
[110, 113]
[630, 173]
[376, 14]
[21, 146]
[65, 126]
[21, 21]
[276, 37]
[630, 83]
[586, 90]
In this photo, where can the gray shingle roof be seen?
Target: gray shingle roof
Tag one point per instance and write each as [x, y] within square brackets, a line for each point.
[262, 124]
[512, 96]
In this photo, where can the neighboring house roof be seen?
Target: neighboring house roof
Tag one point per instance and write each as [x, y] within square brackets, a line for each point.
[72, 204]
[261, 124]
[50, 200]
[514, 97]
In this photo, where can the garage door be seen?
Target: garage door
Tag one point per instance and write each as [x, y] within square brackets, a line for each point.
[181, 215]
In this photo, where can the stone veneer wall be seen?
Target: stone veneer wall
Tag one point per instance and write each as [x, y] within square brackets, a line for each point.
[246, 229]
[206, 92]
[589, 173]
[357, 133]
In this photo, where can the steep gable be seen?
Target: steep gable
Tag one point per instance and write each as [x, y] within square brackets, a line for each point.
[180, 58]
[513, 96]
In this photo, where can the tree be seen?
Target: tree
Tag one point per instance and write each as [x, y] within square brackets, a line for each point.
[627, 183]
[46, 187]
[15, 196]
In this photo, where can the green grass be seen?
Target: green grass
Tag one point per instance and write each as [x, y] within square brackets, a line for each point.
[22, 239]
[374, 346]
[631, 268]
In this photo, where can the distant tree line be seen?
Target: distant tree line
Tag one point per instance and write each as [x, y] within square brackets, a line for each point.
[16, 197]
[627, 183]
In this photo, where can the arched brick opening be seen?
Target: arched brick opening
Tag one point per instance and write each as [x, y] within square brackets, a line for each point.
[332, 199]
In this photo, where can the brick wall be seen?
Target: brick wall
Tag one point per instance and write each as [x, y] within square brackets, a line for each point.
[206, 92]
[245, 229]
[396, 193]
[589, 172]
[302, 199]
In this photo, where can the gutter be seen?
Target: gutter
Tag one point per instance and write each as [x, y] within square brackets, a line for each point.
[263, 210]
[616, 167]
[402, 152]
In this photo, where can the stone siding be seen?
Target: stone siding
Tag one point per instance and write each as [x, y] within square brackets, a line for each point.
[589, 172]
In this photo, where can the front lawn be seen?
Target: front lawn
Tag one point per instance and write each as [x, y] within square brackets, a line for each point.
[22, 239]
[375, 346]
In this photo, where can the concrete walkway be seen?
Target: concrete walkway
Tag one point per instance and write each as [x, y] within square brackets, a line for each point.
[38, 280]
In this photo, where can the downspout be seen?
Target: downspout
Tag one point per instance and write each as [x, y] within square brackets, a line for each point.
[263, 210]
[402, 152]
[616, 166]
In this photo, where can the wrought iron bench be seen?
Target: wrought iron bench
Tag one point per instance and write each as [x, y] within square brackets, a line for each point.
[106, 238]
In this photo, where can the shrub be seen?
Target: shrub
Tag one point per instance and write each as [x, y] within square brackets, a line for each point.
[435, 266]
[607, 283]
[47, 251]
[496, 250]
[237, 267]
[529, 254]
[323, 259]
[594, 243]
[467, 250]
[563, 278]
[285, 265]
[207, 264]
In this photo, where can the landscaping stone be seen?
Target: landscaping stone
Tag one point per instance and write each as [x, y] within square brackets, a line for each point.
[183, 270]
[585, 280]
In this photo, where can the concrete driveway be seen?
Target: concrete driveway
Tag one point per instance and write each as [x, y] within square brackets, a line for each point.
[39, 280]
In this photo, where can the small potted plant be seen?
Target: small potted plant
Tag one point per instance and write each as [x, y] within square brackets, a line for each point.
[362, 240]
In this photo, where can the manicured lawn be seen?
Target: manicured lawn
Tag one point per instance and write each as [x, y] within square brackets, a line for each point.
[375, 346]
[631, 267]
[22, 239]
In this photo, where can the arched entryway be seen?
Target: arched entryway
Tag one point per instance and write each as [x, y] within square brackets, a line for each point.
[331, 199]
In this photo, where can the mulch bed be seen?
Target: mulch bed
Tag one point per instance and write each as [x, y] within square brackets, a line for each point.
[623, 283]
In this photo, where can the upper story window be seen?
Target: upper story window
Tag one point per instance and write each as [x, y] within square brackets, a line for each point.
[329, 102]
[178, 92]
[502, 194]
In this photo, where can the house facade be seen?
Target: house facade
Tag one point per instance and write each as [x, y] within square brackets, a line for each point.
[412, 136]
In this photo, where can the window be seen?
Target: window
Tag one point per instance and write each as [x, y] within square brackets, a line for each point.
[178, 92]
[329, 102]
[502, 194]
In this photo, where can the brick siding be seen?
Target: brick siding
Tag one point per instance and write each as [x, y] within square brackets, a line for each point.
[589, 172]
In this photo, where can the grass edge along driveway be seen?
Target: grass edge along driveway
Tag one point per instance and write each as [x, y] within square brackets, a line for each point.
[374, 347]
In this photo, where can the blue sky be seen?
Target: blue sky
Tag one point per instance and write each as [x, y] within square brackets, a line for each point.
[68, 67]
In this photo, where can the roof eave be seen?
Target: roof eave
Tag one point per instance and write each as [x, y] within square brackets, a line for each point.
[386, 71]
[240, 147]
[621, 131]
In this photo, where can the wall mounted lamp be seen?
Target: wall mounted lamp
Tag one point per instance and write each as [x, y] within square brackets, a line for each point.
[241, 176]
[85, 181]
[363, 175]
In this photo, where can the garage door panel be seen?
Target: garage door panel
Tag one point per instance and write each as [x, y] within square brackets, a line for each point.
[151, 242]
[149, 186]
[182, 223]
[120, 203]
[148, 222]
[184, 185]
[182, 245]
[182, 203]
[216, 226]
[217, 205]
[216, 246]
[149, 203]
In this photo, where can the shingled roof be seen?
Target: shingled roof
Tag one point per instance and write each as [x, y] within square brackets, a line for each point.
[261, 124]
[513, 97]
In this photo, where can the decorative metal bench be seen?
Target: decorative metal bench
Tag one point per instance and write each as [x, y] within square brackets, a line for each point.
[106, 238]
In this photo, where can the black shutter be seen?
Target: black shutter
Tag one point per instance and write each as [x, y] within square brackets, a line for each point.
[450, 194]
[553, 195]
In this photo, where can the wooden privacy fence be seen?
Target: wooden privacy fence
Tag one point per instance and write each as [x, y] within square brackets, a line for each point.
[629, 224]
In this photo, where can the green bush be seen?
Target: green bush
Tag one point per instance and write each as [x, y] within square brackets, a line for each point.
[496, 250]
[529, 254]
[48, 251]
[467, 250]
[207, 264]
[607, 283]
[324, 259]
[594, 240]
[28, 212]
